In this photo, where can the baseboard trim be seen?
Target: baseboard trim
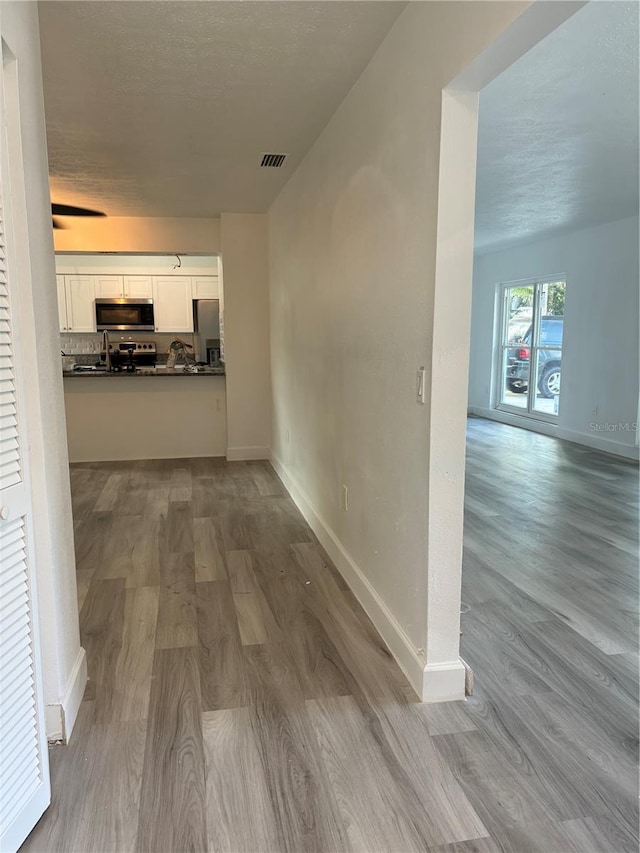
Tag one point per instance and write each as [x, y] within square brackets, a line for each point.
[444, 682]
[599, 442]
[593, 440]
[60, 718]
[243, 454]
[432, 683]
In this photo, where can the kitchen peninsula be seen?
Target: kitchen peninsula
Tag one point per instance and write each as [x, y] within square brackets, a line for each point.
[163, 415]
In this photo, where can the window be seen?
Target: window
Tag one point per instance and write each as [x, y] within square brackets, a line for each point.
[530, 358]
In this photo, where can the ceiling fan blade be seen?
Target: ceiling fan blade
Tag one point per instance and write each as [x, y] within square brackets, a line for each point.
[56, 224]
[69, 210]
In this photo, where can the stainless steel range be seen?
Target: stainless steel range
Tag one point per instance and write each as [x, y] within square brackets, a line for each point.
[130, 355]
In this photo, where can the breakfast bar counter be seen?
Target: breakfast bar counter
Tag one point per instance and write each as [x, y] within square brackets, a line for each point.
[113, 416]
[90, 373]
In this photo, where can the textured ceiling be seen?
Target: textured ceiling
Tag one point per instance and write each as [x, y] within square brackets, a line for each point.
[558, 132]
[164, 108]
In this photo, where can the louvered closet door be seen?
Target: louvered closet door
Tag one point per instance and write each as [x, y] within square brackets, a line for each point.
[24, 769]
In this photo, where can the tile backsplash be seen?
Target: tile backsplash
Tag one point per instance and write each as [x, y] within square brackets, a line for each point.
[91, 344]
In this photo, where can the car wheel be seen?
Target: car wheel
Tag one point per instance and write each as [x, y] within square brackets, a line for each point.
[549, 384]
[517, 388]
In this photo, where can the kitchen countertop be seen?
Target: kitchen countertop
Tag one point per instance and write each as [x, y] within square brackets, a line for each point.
[144, 371]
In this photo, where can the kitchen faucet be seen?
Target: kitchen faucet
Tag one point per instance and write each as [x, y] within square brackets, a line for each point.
[107, 353]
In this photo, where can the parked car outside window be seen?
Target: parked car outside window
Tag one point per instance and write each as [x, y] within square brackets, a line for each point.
[549, 361]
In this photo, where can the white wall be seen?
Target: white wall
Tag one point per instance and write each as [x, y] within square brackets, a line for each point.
[600, 346]
[246, 334]
[64, 670]
[353, 288]
[137, 234]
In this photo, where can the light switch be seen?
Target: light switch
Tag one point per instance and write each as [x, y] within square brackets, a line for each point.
[420, 383]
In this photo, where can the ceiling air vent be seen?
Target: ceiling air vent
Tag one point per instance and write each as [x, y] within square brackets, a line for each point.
[273, 161]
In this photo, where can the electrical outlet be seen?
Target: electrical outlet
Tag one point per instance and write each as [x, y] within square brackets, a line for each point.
[345, 498]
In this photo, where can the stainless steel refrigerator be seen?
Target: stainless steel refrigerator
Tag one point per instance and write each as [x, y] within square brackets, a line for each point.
[206, 325]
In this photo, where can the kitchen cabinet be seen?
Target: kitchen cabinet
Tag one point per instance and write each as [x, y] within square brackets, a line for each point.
[79, 298]
[108, 286]
[123, 286]
[138, 286]
[62, 303]
[205, 287]
[172, 303]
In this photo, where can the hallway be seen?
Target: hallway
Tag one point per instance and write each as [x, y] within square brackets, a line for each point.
[240, 700]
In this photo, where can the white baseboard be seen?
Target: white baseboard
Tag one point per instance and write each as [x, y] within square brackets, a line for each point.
[433, 683]
[443, 682]
[242, 454]
[532, 425]
[595, 440]
[600, 442]
[60, 718]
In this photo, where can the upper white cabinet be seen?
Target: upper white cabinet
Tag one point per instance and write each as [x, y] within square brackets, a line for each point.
[108, 286]
[172, 303]
[123, 286]
[138, 286]
[205, 287]
[79, 295]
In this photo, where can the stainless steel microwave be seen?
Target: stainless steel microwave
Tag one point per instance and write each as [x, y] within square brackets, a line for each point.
[125, 315]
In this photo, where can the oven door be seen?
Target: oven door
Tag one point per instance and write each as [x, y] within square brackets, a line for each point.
[124, 315]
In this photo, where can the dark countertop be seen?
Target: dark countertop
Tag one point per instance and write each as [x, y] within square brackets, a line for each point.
[144, 371]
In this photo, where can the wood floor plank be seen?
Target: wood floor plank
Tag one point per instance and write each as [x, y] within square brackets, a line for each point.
[109, 494]
[376, 814]
[250, 619]
[132, 679]
[173, 803]
[600, 833]
[446, 718]
[223, 675]
[178, 531]
[476, 845]
[144, 557]
[240, 814]
[101, 625]
[241, 575]
[103, 766]
[180, 487]
[91, 535]
[210, 563]
[177, 607]
[505, 801]
[306, 810]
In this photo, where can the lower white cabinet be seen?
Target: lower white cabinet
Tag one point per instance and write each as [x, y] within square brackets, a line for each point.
[172, 303]
[79, 303]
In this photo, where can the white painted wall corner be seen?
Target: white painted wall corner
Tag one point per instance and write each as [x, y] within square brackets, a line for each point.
[243, 454]
[432, 683]
[60, 718]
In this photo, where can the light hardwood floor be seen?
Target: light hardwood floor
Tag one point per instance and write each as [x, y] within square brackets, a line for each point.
[240, 700]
